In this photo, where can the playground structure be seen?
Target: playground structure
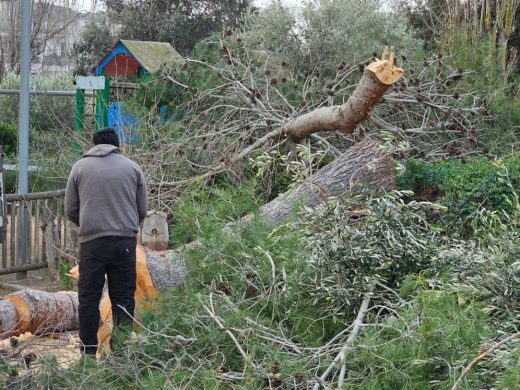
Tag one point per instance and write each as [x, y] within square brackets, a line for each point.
[124, 68]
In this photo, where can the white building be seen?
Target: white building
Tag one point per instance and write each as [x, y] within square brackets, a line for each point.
[55, 29]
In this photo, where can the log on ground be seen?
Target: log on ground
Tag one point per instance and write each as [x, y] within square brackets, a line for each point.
[38, 312]
[363, 167]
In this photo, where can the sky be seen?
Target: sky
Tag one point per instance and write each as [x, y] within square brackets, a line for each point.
[289, 3]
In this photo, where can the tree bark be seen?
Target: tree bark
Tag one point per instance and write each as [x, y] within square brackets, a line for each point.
[377, 78]
[38, 312]
[363, 167]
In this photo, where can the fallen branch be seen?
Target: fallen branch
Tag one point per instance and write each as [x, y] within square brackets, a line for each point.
[377, 78]
[483, 355]
[214, 317]
[347, 348]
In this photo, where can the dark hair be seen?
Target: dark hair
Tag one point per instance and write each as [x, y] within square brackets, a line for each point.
[105, 136]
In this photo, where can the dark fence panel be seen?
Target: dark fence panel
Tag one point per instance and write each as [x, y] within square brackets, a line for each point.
[50, 234]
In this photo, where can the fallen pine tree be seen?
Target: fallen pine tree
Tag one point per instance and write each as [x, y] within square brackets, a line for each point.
[364, 166]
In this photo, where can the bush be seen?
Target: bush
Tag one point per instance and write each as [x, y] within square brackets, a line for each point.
[350, 244]
[466, 187]
[48, 113]
[8, 139]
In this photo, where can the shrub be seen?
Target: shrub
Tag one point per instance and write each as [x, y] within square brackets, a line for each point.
[350, 244]
[466, 187]
[8, 139]
[48, 113]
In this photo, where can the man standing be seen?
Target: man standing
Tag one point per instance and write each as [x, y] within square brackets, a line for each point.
[106, 197]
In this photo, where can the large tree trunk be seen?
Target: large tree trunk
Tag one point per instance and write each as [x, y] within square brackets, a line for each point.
[363, 167]
[38, 312]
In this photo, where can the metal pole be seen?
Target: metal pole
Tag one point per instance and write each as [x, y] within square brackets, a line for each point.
[3, 217]
[80, 109]
[23, 132]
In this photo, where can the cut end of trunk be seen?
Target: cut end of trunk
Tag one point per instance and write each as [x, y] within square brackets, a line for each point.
[384, 69]
[23, 313]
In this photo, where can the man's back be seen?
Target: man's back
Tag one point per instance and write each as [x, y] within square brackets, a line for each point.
[106, 194]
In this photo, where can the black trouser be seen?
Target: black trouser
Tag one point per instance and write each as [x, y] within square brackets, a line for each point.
[115, 257]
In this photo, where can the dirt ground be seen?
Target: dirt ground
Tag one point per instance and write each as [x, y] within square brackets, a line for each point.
[62, 346]
[37, 279]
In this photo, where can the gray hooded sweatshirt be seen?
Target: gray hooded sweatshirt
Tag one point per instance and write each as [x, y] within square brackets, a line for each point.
[106, 194]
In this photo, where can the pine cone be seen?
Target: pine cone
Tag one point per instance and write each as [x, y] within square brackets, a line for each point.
[251, 290]
[13, 341]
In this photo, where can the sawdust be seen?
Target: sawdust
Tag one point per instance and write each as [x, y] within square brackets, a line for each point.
[63, 347]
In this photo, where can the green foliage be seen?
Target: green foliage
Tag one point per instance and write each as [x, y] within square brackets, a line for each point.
[324, 31]
[191, 78]
[48, 113]
[412, 352]
[466, 187]
[488, 268]
[201, 212]
[277, 173]
[8, 139]
[274, 30]
[63, 271]
[498, 98]
[335, 27]
[350, 246]
[96, 40]
[183, 23]
[286, 293]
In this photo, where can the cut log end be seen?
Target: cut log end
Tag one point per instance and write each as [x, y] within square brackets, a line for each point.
[385, 71]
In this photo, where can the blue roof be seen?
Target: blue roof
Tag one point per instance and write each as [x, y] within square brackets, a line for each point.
[119, 48]
[150, 55]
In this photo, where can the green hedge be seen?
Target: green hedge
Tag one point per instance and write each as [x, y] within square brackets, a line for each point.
[464, 186]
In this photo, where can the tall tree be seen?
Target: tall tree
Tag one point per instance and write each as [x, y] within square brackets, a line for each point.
[493, 19]
[49, 19]
[95, 41]
[180, 22]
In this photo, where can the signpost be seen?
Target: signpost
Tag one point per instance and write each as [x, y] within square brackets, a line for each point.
[101, 86]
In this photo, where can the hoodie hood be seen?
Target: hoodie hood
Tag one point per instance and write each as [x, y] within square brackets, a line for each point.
[101, 150]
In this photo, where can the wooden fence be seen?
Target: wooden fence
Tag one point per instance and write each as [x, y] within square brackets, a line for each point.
[51, 236]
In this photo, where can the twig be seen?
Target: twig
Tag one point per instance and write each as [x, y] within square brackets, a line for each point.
[347, 348]
[221, 326]
[475, 361]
